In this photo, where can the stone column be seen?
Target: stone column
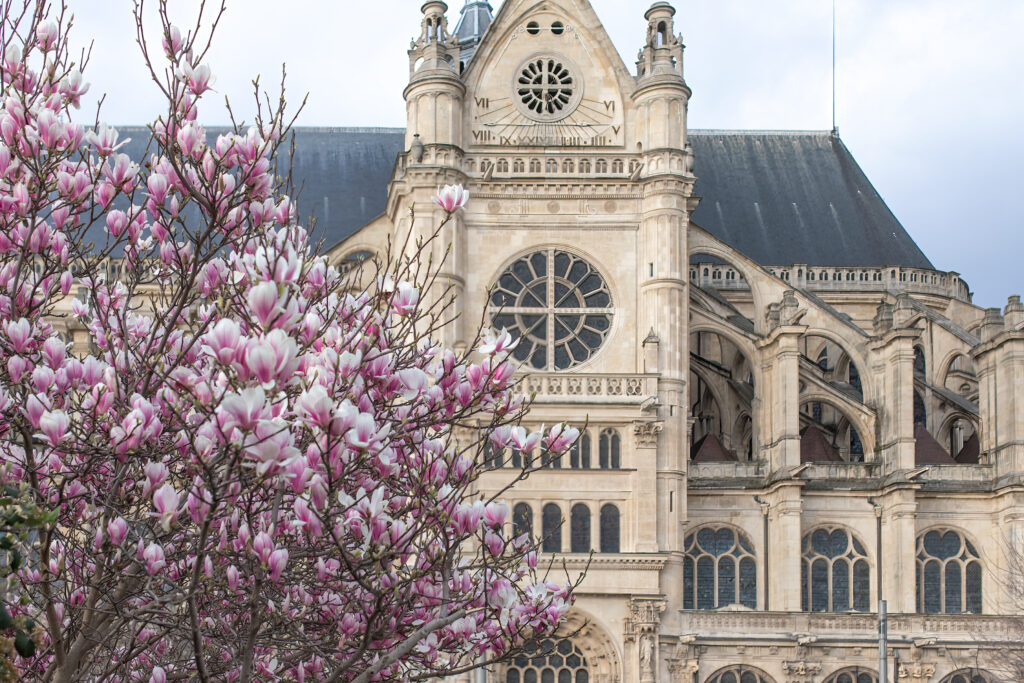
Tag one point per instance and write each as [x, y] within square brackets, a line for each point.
[779, 417]
[899, 539]
[785, 506]
[891, 357]
[999, 361]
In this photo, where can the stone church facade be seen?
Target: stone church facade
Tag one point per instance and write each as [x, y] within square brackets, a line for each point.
[790, 413]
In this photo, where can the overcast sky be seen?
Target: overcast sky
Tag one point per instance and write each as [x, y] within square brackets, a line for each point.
[928, 92]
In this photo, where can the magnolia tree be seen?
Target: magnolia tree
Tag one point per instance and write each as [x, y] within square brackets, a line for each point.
[252, 469]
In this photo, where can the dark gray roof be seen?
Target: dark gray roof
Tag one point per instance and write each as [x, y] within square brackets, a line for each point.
[780, 198]
[474, 19]
[795, 197]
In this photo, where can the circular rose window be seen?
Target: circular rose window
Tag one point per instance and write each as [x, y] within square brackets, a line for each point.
[556, 304]
[547, 88]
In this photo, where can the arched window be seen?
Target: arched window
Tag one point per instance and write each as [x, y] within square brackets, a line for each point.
[710, 570]
[919, 363]
[534, 165]
[739, 673]
[968, 676]
[551, 166]
[518, 166]
[493, 458]
[522, 520]
[853, 674]
[834, 575]
[609, 528]
[617, 166]
[568, 166]
[609, 450]
[579, 529]
[502, 165]
[547, 662]
[353, 261]
[551, 528]
[948, 574]
[601, 166]
[920, 412]
[579, 453]
[584, 166]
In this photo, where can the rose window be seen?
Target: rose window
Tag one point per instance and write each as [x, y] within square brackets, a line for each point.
[547, 88]
[557, 305]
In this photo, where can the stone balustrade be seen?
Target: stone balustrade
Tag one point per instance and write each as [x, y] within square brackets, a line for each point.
[589, 388]
[838, 279]
[821, 624]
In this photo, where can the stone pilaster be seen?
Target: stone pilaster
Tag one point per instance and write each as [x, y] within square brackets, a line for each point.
[779, 417]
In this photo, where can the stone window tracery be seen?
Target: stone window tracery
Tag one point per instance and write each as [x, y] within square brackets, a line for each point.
[550, 661]
[853, 674]
[534, 165]
[609, 450]
[579, 453]
[948, 574]
[518, 166]
[740, 673]
[718, 570]
[557, 305]
[835, 575]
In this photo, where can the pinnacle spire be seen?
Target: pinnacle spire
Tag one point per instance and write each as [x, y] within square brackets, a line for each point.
[475, 17]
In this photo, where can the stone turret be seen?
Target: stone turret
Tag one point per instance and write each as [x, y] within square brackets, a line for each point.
[435, 91]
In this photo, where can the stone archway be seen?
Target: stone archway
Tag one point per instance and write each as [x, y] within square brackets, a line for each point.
[579, 645]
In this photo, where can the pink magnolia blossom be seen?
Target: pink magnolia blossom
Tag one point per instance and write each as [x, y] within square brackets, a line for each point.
[165, 500]
[153, 556]
[451, 198]
[238, 436]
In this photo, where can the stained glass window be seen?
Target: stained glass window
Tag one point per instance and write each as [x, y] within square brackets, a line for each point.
[609, 528]
[718, 570]
[853, 674]
[609, 450]
[557, 305]
[549, 661]
[834, 576]
[551, 527]
[948, 574]
[579, 454]
[739, 674]
[522, 519]
[579, 533]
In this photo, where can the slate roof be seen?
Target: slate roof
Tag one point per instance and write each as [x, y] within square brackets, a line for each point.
[795, 197]
[710, 449]
[816, 447]
[779, 197]
[928, 451]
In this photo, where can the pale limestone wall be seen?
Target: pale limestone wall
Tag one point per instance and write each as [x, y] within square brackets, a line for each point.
[627, 215]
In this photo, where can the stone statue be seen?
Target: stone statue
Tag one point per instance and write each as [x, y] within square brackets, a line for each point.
[646, 654]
